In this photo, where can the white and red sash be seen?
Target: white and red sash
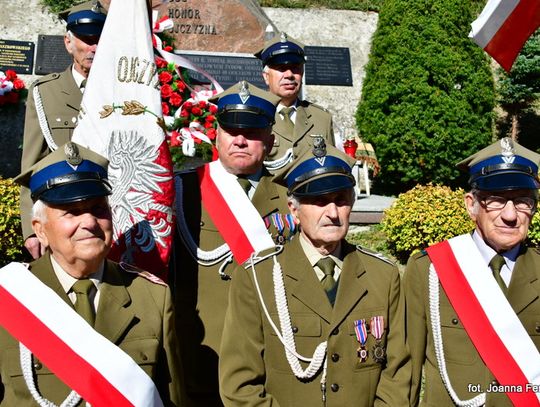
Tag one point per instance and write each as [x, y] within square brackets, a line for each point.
[487, 316]
[99, 371]
[237, 220]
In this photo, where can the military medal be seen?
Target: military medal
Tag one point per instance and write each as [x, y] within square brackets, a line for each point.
[377, 330]
[277, 220]
[361, 335]
[291, 224]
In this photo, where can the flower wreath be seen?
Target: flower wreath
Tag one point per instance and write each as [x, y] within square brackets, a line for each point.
[12, 89]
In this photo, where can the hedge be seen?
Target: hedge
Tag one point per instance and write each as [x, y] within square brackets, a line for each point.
[11, 242]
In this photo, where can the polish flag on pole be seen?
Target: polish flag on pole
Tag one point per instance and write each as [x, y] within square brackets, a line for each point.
[504, 26]
[120, 119]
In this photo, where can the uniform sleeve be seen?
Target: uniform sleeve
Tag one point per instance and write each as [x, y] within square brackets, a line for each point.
[414, 285]
[170, 386]
[33, 150]
[241, 364]
[394, 383]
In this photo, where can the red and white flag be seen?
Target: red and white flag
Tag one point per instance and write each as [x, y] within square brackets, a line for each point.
[119, 116]
[504, 26]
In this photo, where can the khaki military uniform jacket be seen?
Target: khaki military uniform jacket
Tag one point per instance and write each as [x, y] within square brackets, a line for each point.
[464, 364]
[253, 367]
[201, 295]
[60, 98]
[310, 119]
[133, 313]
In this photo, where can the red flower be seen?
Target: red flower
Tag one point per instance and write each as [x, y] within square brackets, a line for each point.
[176, 139]
[203, 104]
[18, 84]
[212, 108]
[165, 77]
[197, 140]
[180, 85]
[211, 133]
[161, 63]
[196, 111]
[210, 118]
[166, 91]
[208, 125]
[175, 99]
[11, 75]
[165, 108]
[187, 106]
[184, 112]
[168, 48]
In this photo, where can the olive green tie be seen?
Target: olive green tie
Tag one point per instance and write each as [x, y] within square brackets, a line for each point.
[287, 122]
[245, 184]
[496, 264]
[326, 264]
[83, 306]
[83, 84]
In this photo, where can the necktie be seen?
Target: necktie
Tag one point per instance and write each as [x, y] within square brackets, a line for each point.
[496, 264]
[326, 264]
[83, 84]
[84, 308]
[245, 184]
[287, 122]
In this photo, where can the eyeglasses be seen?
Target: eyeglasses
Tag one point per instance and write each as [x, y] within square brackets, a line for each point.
[497, 203]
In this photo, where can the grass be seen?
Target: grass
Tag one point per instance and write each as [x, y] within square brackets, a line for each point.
[360, 5]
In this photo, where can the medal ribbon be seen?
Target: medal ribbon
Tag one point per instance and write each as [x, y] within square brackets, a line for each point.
[377, 327]
[290, 222]
[277, 220]
[361, 331]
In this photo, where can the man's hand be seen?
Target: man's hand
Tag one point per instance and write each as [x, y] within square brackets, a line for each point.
[34, 247]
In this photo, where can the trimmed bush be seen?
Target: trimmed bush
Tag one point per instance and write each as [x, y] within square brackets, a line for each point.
[534, 230]
[11, 241]
[423, 216]
[428, 96]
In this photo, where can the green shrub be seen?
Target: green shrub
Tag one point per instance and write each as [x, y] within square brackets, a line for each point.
[428, 96]
[534, 230]
[11, 241]
[56, 6]
[423, 216]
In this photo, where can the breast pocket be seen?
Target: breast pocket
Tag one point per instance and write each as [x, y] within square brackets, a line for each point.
[374, 350]
[307, 332]
[144, 352]
[62, 127]
[457, 345]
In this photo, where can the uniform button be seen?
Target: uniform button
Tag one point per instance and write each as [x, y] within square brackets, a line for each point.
[335, 357]
[334, 387]
[66, 123]
[295, 329]
[494, 383]
[144, 357]
[37, 365]
[454, 321]
[537, 329]
[335, 331]
[202, 223]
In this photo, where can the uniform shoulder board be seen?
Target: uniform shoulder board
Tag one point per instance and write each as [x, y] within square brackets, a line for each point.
[374, 254]
[315, 105]
[46, 78]
[142, 273]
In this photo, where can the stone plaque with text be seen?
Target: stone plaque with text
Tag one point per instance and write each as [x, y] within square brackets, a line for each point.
[51, 55]
[328, 66]
[17, 56]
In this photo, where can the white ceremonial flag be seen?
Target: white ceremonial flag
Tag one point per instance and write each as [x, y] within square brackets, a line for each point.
[119, 119]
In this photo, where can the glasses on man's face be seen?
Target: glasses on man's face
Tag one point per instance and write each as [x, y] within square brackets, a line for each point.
[497, 203]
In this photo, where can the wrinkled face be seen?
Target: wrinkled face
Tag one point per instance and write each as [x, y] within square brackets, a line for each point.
[82, 49]
[501, 229]
[78, 235]
[284, 81]
[324, 219]
[242, 151]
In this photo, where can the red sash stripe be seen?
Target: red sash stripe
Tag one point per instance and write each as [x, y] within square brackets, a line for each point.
[73, 370]
[223, 217]
[488, 344]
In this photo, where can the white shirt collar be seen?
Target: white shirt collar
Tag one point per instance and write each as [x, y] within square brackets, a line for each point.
[77, 76]
[67, 281]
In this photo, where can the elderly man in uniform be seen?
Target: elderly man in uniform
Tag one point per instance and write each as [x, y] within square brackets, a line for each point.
[283, 62]
[54, 101]
[127, 314]
[473, 302]
[202, 255]
[322, 323]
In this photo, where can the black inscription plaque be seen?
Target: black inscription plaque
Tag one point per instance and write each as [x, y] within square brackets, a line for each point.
[328, 66]
[17, 56]
[227, 69]
[51, 55]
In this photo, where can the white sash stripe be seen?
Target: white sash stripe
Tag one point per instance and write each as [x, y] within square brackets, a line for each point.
[497, 308]
[112, 362]
[493, 16]
[245, 213]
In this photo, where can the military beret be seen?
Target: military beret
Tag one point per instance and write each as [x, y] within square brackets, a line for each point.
[321, 170]
[85, 19]
[281, 50]
[503, 165]
[71, 173]
[245, 106]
